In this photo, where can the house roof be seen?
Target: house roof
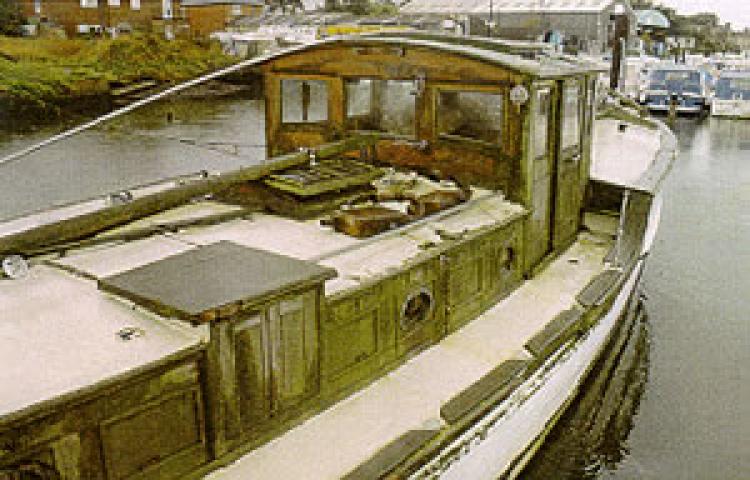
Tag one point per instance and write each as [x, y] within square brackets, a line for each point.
[507, 6]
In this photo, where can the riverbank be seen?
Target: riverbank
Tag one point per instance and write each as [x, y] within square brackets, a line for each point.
[45, 80]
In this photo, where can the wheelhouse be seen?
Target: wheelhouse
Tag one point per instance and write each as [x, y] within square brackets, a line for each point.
[470, 113]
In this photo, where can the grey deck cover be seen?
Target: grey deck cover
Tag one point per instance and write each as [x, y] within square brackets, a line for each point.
[212, 276]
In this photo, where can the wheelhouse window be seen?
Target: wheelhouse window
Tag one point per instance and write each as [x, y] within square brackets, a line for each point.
[472, 115]
[571, 130]
[541, 123]
[382, 105]
[304, 101]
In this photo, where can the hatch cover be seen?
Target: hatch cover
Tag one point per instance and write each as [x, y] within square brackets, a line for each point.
[214, 281]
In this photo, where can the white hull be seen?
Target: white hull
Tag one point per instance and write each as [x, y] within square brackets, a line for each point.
[502, 442]
[731, 108]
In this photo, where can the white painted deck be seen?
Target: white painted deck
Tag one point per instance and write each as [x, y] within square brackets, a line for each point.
[622, 157]
[58, 334]
[355, 260]
[410, 397]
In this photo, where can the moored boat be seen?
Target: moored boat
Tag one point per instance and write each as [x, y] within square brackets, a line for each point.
[443, 240]
[688, 87]
[732, 95]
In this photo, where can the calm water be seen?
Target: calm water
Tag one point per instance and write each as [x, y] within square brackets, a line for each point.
[168, 138]
[682, 410]
[686, 411]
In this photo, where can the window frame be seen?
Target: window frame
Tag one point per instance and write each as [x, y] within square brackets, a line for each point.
[349, 120]
[305, 124]
[499, 90]
[569, 86]
[538, 90]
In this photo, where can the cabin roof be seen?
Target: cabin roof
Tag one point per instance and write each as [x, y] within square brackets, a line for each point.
[488, 51]
[59, 336]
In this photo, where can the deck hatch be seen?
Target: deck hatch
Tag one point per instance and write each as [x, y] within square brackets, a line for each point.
[213, 281]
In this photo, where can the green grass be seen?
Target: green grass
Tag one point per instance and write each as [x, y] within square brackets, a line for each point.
[47, 73]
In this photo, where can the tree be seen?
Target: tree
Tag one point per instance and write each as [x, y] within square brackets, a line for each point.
[11, 17]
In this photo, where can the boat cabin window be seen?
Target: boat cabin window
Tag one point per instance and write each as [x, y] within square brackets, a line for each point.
[473, 115]
[304, 101]
[675, 80]
[541, 123]
[733, 88]
[382, 105]
[571, 131]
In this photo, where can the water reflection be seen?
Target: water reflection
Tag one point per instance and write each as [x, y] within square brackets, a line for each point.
[591, 437]
[178, 135]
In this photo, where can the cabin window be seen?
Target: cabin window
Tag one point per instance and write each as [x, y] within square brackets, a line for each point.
[541, 123]
[304, 101]
[359, 93]
[383, 105]
[571, 130]
[135, 4]
[89, 3]
[398, 104]
[474, 115]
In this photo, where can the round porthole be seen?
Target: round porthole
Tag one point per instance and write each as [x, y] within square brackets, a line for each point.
[416, 308]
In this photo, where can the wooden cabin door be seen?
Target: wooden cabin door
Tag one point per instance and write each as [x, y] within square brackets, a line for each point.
[276, 355]
[539, 233]
[567, 165]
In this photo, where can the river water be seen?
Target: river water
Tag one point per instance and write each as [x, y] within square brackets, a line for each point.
[686, 413]
[684, 410]
[169, 138]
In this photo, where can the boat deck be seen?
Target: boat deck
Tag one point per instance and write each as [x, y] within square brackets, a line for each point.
[622, 157]
[59, 336]
[357, 261]
[411, 397]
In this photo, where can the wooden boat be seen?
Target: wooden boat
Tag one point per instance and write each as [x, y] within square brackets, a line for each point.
[444, 239]
[732, 95]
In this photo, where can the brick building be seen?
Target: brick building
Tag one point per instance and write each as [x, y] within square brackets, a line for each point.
[207, 16]
[198, 17]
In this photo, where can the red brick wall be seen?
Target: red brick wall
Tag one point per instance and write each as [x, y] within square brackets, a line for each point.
[206, 19]
[69, 14]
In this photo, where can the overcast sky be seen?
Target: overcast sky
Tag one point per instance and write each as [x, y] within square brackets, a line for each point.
[735, 11]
